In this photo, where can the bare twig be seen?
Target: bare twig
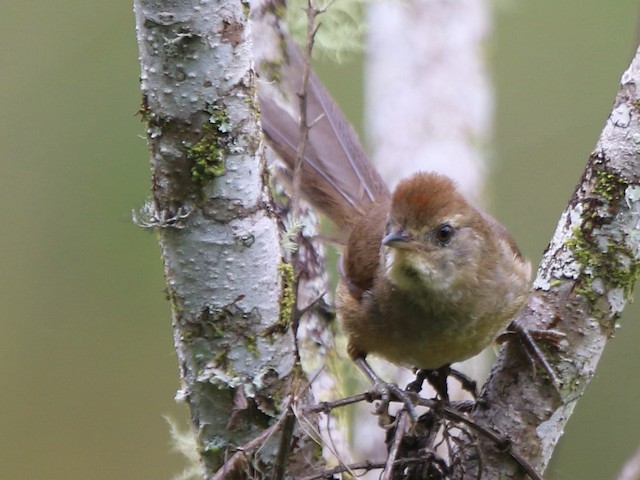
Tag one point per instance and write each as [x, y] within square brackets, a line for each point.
[448, 411]
[500, 442]
[402, 422]
[232, 462]
[288, 424]
[312, 29]
[326, 407]
[367, 466]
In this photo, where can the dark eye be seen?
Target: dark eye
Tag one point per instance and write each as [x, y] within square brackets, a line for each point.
[444, 233]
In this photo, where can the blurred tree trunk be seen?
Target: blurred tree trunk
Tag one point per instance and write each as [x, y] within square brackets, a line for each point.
[315, 340]
[232, 295]
[429, 98]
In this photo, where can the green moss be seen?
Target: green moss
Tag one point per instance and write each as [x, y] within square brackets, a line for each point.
[220, 358]
[246, 9]
[208, 154]
[602, 256]
[217, 332]
[582, 252]
[608, 185]
[616, 266]
[251, 343]
[288, 300]
[555, 283]
[144, 112]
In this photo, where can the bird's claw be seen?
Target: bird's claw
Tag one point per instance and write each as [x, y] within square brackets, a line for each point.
[528, 339]
[391, 391]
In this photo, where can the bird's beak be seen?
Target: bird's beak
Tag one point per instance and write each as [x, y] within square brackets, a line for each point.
[397, 239]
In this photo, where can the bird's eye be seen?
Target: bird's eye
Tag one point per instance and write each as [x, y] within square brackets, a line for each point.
[444, 233]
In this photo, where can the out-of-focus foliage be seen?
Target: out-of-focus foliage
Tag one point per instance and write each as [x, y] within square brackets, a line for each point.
[342, 26]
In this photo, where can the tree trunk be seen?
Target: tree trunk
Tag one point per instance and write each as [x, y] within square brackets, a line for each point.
[230, 292]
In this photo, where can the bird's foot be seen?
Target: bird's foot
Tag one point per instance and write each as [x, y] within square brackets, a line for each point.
[438, 380]
[529, 339]
[387, 392]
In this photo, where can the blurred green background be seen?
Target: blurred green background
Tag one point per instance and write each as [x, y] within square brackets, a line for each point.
[87, 368]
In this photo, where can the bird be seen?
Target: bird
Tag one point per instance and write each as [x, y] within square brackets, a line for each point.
[426, 279]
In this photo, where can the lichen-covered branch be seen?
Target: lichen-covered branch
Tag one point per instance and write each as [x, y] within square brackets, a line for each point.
[583, 283]
[218, 234]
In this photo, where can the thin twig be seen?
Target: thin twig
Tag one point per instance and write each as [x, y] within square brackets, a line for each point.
[367, 466]
[450, 413]
[532, 350]
[312, 29]
[501, 442]
[231, 463]
[288, 425]
[326, 407]
[301, 311]
[402, 422]
[313, 432]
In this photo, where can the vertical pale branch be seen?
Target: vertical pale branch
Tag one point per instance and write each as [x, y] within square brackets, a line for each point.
[584, 281]
[218, 237]
[429, 100]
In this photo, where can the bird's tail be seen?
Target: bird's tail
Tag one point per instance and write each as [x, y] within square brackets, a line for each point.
[336, 175]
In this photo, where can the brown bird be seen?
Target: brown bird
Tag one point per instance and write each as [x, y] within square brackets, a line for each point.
[426, 279]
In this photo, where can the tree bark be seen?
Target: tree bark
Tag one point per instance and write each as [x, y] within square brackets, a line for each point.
[230, 292]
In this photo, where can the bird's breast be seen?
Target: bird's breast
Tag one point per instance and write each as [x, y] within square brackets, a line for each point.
[423, 333]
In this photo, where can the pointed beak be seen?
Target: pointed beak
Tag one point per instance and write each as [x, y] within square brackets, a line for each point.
[396, 239]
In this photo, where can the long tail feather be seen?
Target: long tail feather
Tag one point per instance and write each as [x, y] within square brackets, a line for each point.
[337, 176]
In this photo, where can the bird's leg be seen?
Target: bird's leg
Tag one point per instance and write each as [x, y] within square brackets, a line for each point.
[467, 383]
[421, 376]
[528, 340]
[438, 380]
[386, 389]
